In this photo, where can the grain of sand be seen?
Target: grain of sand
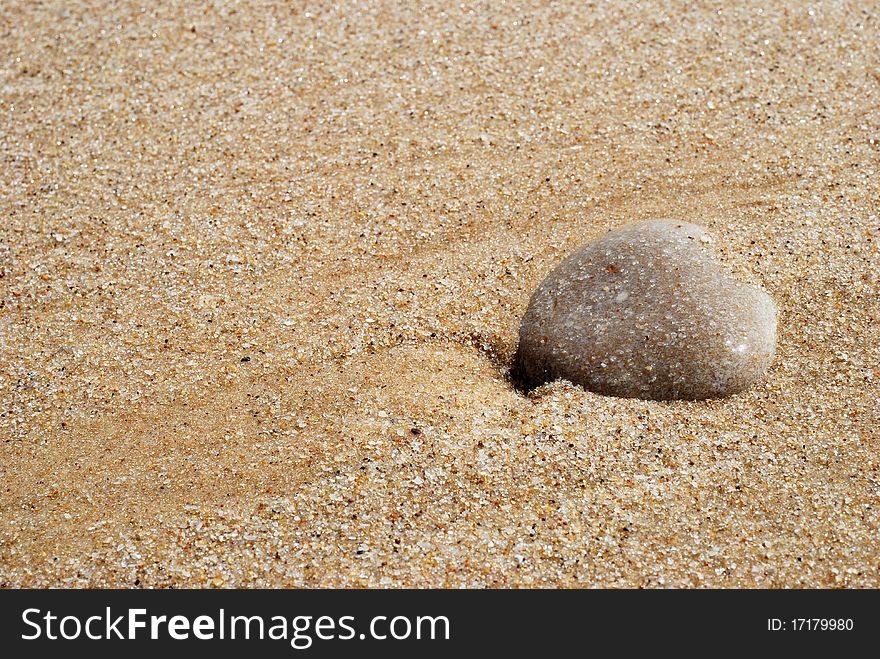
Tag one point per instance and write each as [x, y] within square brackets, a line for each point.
[262, 266]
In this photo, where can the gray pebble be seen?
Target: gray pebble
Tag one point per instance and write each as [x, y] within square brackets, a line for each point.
[645, 311]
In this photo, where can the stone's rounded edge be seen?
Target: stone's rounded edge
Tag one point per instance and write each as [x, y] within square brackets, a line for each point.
[530, 365]
[742, 371]
[756, 366]
[535, 363]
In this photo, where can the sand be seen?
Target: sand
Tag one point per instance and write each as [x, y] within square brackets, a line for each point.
[262, 267]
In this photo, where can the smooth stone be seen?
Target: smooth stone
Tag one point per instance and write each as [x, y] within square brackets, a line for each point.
[645, 311]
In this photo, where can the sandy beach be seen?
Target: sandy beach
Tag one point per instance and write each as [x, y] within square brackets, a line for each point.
[262, 267]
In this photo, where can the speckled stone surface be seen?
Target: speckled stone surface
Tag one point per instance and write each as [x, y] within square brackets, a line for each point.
[646, 311]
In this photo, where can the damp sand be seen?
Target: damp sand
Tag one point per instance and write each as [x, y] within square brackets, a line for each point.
[262, 269]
